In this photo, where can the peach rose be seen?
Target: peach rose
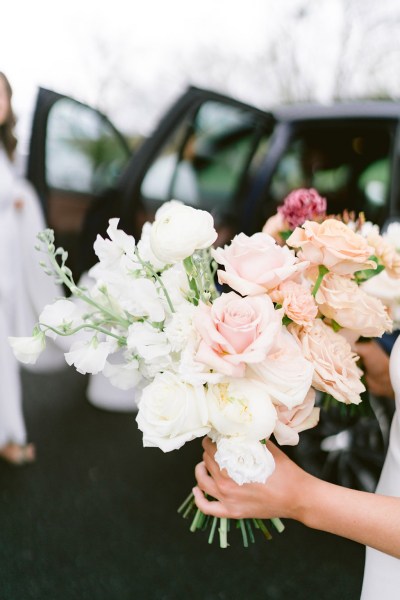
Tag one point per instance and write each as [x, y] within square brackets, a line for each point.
[342, 300]
[291, 422]
[256, 264]
[386, 253]
[297, 302]
[334, 245]
[236, 331]
[286, 374]
[335, 365]
[274, 225]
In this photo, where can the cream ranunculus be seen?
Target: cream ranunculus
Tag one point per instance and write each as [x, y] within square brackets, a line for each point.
[334, 245]
[386, 252]
[341, 299]
[171, 412]
[179, 230]
[285, 372]
[245, 461]
[335, 364]
[254, 265]
[241, 407]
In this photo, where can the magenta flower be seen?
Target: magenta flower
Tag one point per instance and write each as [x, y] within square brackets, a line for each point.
[302, 205]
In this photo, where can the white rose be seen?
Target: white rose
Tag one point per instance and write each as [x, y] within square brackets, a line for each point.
[171, 412]
[241, 407]
[245, 461]
[285, 372]
[180, 230]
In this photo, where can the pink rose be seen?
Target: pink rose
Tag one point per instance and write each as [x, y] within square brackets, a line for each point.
[342, 300]
[297, 302]
[291, 422]
[335, 365]
[256, 264]
[236, 331]
[334, 245]
[302, 205]
[286, 374]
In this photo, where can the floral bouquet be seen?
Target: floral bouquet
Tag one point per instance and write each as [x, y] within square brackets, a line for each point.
[238, 366]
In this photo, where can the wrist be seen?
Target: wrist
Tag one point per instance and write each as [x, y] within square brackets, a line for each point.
[306, 507]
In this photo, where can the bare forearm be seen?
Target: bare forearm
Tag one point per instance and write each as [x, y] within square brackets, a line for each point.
[370, 519]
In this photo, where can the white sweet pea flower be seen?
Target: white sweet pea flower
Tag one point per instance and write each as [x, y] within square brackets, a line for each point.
[176, 282]
[241, 407]
[63, 315]
[89, 356]
[120, 243]
[147, 341]
[171, 412]
[179, 230]
[28, 349]
[123, 376]
[245, 461]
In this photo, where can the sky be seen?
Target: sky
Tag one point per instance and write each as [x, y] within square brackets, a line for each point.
[131, 58]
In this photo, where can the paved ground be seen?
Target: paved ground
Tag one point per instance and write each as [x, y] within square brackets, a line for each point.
[95, 519]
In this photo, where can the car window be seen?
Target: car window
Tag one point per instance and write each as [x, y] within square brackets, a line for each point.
[205, 161]
[83, 153]
[349, 164]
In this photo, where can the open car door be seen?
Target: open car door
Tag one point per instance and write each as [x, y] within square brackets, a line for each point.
[75, 156]
[203, 152]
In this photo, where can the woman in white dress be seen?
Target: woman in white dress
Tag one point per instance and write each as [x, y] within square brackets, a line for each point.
[24, 288]
[367, 518]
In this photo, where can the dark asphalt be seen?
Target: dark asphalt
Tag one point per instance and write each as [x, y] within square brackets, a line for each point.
[95, 519]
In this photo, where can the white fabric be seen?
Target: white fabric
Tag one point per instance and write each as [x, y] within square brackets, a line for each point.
[382, 572]
[24, 290]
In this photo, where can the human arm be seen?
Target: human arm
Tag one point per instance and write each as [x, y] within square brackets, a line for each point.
[376, 367]
[290, 492]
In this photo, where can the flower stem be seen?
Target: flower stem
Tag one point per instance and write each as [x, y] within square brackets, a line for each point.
[277, 523]
[213, 528]
[322, 270]
[223, 532]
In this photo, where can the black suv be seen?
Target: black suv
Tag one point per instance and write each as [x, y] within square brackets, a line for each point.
[239, 163]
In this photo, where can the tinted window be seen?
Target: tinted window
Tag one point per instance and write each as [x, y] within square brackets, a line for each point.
[205, 161]
[83, 152]
[349, 164]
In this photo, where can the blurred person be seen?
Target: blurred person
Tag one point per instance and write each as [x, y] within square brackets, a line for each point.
[24, 288]
[372, 519]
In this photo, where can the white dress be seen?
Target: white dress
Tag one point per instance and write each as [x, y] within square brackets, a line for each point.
[382, 572]
[24, 291]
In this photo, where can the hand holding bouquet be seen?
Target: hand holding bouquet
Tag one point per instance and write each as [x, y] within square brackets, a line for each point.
[238, 366]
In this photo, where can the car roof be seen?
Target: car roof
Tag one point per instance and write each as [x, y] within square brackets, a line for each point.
[340, 110]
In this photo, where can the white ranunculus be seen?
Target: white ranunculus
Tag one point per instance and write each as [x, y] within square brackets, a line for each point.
[387, 290]
[392, 235]
[171, 412]
[179, 230]
[285, 372]
[89, 357]
[241, 407]
[144, 248]
[245, 461]
[63, 315]
[28, 349]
